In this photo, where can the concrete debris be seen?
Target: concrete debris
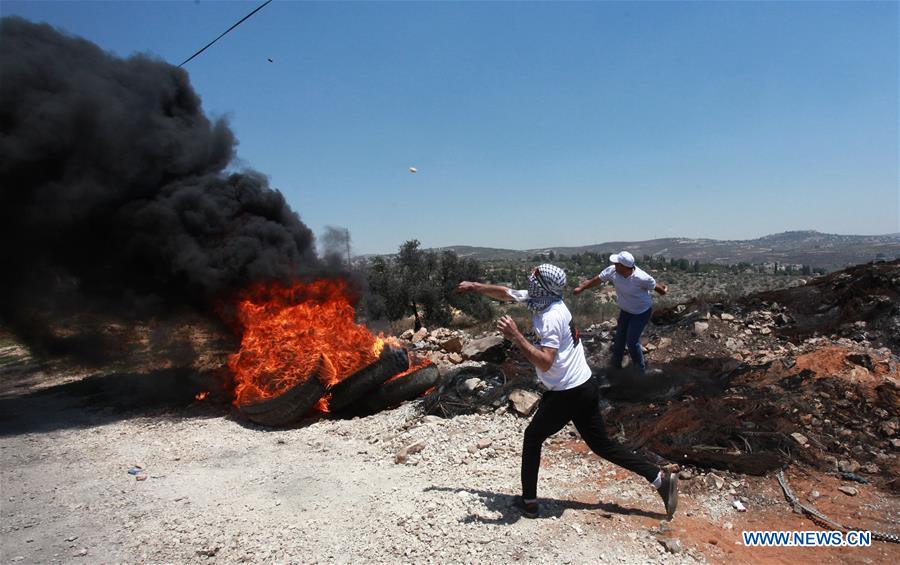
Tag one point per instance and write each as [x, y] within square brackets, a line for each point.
[488, 348]
[419, 335]
[523, 402]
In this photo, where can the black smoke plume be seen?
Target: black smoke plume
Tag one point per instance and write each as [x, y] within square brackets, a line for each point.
[114, 198]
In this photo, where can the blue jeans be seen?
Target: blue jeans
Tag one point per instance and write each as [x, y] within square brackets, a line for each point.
[628, 334]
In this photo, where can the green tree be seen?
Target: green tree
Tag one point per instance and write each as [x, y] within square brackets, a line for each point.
[422, 284]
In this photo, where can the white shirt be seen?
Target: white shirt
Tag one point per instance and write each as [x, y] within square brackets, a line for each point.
[633, 292]
[553, 327]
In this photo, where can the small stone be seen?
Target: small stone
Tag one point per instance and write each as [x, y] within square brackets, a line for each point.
[713, 479]
[484, 443]
[672, 545]
[849, 491]
[452, 345]
[800, 438]
[419, 335]
[415, 447]
[470, 385]
[850, 466]
[402, 456]
[700, 327]
[727, 317]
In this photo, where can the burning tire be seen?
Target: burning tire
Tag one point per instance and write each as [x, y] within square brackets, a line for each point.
[392, 361]
[397, 391]
[288, 407]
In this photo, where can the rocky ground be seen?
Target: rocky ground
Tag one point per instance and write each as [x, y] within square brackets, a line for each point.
[131, 467]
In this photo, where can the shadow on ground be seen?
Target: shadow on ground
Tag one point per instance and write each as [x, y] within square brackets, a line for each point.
[507, 506]
[104, 398]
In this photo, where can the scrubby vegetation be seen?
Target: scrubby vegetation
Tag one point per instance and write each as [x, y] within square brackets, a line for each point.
[418, 284]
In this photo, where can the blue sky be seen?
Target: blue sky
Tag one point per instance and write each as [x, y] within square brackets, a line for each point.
[543, 124]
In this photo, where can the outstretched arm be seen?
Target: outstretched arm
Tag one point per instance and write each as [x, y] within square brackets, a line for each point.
[587, 284]
[661, 288]
[495, 291]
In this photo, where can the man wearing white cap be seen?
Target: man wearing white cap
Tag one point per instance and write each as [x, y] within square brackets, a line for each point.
[633, 286]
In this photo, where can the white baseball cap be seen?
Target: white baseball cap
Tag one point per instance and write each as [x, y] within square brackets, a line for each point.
[623, 258]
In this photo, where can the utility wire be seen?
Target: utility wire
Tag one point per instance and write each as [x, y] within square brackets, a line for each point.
[264, 4]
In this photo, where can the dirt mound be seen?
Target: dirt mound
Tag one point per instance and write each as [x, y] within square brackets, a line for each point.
[834, 409]
[861, 301]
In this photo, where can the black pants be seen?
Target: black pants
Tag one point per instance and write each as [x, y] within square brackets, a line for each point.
[580, 405]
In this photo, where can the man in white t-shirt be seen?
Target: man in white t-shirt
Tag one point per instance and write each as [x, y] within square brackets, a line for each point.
[572, 394]
[633, 287]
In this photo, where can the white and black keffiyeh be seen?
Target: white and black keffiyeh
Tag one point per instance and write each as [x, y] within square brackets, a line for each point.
[545, 286]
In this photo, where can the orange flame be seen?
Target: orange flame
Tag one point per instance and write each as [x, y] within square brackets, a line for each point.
[201, 395]
[286, 330]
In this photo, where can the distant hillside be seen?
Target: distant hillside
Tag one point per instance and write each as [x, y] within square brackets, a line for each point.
[818, 250]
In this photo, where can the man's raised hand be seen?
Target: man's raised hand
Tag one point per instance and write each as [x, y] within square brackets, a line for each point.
[507, 327]
[465, 286]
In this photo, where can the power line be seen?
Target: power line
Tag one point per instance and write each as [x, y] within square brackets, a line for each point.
[264, 4]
